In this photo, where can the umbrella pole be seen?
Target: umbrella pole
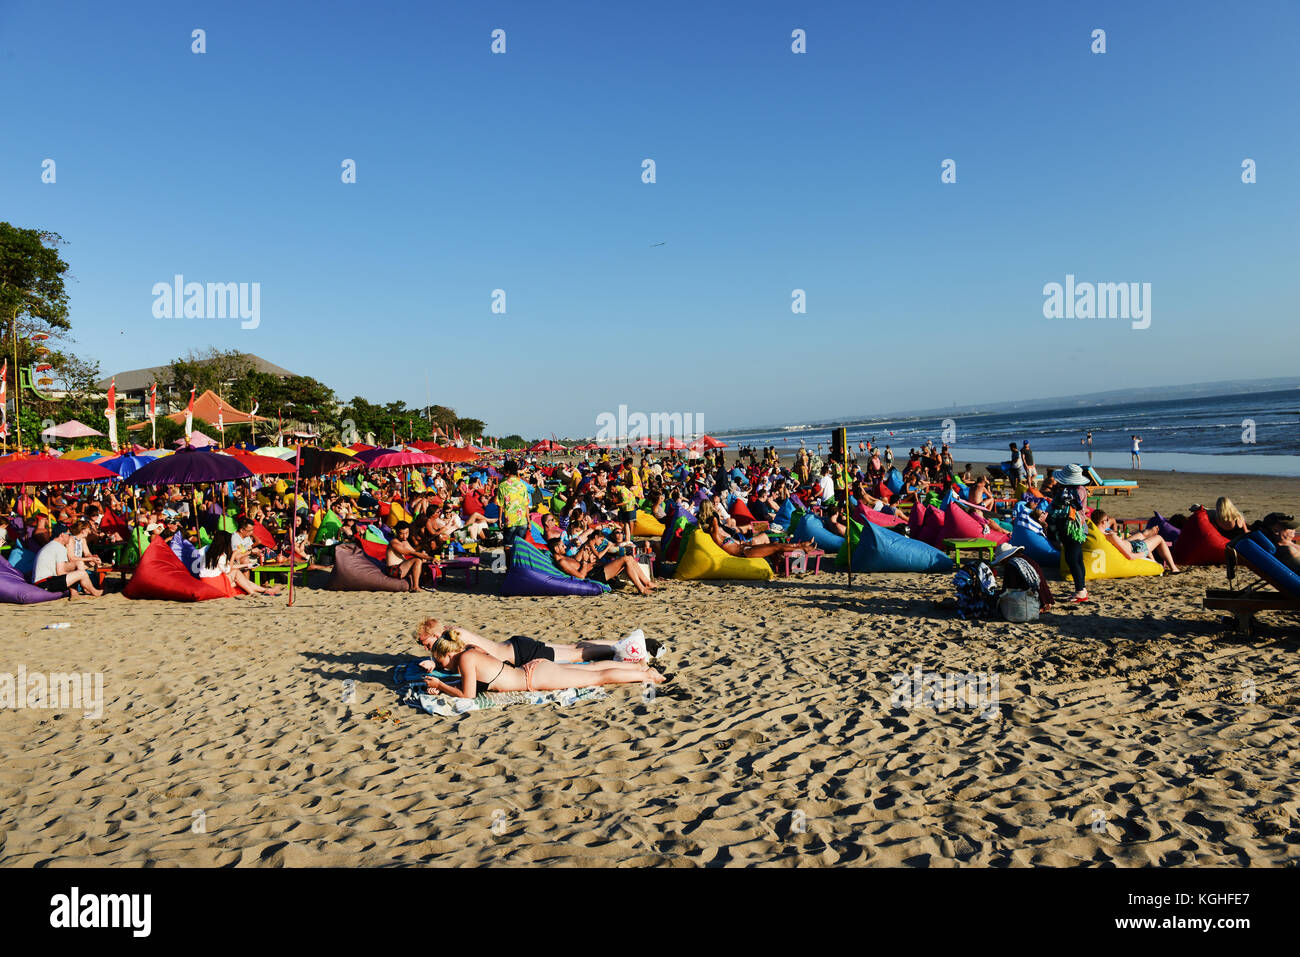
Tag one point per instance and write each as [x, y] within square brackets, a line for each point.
[293, 517]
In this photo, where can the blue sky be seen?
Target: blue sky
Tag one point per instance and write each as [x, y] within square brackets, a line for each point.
[775, 171]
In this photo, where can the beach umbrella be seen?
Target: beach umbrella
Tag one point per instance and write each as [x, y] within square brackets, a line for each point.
[276, 452]
[197, 440]
[710, 442]
[344, 450]
[71, 430]
[190, 467]
[395, 458]
[450, 453]
[673, 442]
[124, 465]
[261, 464]
[37, 470]
[85, 454]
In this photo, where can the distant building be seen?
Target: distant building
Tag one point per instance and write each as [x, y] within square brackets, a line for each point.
[133, 386]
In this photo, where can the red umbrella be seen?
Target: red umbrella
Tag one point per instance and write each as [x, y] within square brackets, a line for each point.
[38, 470]
[712, 443]
[673, 442]
[261, 464]
[451, 453]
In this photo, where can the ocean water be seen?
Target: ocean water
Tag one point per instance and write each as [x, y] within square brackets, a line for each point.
[1255, 433]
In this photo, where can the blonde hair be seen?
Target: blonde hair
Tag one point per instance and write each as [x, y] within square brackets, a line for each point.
[427, 627]
[450, 643]
[1228, 513]
[707, 512]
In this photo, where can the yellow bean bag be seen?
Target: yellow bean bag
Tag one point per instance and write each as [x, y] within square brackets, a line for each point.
[38, 508]
[417, 483]
[647, 524]
[281, 486]
[702, 558]
[400, 514]
[1101, 559]
[343, 488]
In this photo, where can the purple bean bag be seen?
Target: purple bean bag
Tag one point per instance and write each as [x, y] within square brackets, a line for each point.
[1161, 524]
[354, 570]
[15, 590]
[532, 572]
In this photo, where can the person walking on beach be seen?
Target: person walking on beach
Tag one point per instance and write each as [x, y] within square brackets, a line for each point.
[1136, 452]
[1087, 440]
[1027, 460]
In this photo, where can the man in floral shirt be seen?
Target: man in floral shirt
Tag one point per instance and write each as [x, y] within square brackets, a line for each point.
[512, 499]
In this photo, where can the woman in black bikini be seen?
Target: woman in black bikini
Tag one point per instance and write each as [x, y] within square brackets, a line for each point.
[520, 649]
[481, 672]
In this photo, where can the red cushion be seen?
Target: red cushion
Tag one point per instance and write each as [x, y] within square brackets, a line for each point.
[1199, 542]
[160, 575]
[882, 491]
[740, 511]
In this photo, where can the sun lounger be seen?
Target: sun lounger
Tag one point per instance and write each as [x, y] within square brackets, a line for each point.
[1257, 553]
[1110, 486]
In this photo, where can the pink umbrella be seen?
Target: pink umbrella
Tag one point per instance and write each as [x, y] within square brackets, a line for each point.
[197, 440]
[43, 471]
[395, 458]
[71, 430]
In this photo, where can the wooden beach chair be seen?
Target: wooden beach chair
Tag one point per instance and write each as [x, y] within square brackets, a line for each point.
[1257, 553]
[1109, 486]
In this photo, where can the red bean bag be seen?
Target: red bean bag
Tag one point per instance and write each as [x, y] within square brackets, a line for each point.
[1199, 542]
[160, 575]
[263, 536]
[375, 550]
[959, 523]
[883, 491]
[741, 513]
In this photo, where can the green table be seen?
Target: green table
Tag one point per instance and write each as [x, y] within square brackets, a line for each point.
[258, 571]
[983, 546]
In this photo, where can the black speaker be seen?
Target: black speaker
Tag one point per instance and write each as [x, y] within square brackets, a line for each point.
[840, 445]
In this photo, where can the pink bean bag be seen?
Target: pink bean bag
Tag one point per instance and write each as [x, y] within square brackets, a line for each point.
[1199, 542]
[959, 523]
[863, 514]
[916, 521]
[933, 530]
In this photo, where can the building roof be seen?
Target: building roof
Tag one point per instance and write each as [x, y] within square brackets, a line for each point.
[209, 407]
[136, 380]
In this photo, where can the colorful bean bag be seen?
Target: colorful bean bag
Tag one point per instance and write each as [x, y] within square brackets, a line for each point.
[916, 520]
[1037, 547]
[811, 527]
[850, 543]
[1199, 542]
[741, 513]
[883, 491]
[185, 551]
[1260, 555]
[959, 523]
[646, 524]
[934, 530]
[376, 550]
[23, 560]
[1168, 531]
[883, 519]
[703, 559]
[355, 570]
[671, 542]
[161, 576]
[16, 590]
[329, 527]
[1101, 559]
[894, 480]
[881, 550]
[262, 535]
[532, 572]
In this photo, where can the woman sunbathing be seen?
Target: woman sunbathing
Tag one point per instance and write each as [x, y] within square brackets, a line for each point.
[1145, 544]
[1227, 519]
[712, 527]
[519, 650]
[480, 671]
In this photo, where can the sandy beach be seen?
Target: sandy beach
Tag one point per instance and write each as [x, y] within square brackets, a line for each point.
[1130, 731]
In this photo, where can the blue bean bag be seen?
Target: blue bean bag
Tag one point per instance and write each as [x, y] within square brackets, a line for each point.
[782, 516]
[532, 572]
[881, 550]
[894, 481]
[23, 560]
[16, 590]
[186, 552]
[811, 527]
[1037, 547]
[1260, 554]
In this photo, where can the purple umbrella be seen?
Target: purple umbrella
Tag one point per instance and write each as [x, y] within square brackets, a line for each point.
[189, 467]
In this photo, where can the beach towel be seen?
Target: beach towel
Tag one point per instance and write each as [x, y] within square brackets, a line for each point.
[409, 680]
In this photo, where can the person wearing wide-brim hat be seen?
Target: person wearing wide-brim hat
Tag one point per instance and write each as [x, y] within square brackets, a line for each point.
[1018, 576]
[1071, 493]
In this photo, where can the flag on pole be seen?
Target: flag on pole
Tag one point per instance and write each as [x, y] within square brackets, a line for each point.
[221, 426]
[4, 400]
[189, 418]
[111, 413]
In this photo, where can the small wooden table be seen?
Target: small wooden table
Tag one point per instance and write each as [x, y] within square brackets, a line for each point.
[983, 546]
[466, 565]
[797, 562]
[258, 571]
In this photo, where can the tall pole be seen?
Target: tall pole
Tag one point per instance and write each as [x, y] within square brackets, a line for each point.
[293, 518]
[848, 512]
[18, 388]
